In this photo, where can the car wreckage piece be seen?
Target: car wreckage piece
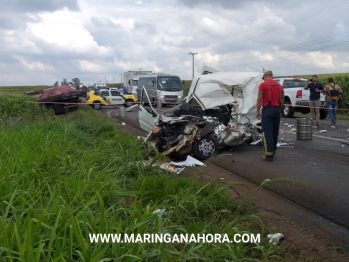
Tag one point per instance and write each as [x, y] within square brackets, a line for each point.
[220, 111]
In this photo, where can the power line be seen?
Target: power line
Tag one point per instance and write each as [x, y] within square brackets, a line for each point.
[305, 44]
[289, 55]
[284, 24]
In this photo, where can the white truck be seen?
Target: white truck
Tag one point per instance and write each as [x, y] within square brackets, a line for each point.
[130, 80]
[297, 98]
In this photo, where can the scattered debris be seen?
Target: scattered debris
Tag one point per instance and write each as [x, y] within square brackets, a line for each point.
[290, 125]
[281, 139]
[190, 161]
[123, 124]
[343, 145]
[161, 212]
[284, 145]
[293, 130]
[322, 131]
[275, 238]
[257, 142]
[286, 124]
[165, 166]
[222, 178]
[130, 109]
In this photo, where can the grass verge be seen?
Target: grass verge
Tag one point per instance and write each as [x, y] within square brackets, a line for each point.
[63, 179]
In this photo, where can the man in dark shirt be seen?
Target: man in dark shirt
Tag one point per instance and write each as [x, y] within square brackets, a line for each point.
[271, 98]
[315, 89]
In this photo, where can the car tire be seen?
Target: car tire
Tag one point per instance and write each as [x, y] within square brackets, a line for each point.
[287, 110]
[323, 114]
[205, 148]
[96, 105]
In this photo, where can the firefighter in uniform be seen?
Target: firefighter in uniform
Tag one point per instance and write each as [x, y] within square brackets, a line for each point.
[271, 98]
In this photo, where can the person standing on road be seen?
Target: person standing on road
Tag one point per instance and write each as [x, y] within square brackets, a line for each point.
[271, 97]
[332, 91]
[315, 89]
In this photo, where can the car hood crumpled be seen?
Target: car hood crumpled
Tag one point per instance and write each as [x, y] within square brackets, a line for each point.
[237, 88]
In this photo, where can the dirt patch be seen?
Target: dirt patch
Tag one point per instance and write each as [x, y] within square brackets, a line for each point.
[300, 243]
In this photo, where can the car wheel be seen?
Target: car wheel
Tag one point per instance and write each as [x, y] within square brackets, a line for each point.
[323, 114]
[206, 147]
[96, 105]
[287, 111]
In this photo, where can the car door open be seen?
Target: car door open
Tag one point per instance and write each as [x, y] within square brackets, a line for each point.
[147, 117]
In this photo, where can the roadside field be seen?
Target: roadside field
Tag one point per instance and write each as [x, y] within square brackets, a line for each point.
[63, 178]
[21, 89]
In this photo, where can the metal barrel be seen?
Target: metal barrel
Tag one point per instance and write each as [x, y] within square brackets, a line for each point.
[122, 111]
[304, 129]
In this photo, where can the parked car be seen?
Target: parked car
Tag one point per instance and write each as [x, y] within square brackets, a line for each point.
[220, 111]
[98, 98]
[297, 98]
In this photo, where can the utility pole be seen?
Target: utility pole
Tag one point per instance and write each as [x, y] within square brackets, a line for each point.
[193, 61]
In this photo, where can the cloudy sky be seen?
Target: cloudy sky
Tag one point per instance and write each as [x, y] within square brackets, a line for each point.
[47, 40]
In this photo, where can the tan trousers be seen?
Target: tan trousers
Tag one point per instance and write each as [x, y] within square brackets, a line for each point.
[315, 110]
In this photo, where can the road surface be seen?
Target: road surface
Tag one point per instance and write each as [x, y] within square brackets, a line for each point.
[317, 170]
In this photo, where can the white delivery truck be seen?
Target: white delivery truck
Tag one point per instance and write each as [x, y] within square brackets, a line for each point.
[130, 80]
[168, 89]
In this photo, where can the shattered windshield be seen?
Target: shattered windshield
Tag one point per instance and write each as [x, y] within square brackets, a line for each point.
[169, 84]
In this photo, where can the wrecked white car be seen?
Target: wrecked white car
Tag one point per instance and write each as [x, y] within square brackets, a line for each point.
[219, 112]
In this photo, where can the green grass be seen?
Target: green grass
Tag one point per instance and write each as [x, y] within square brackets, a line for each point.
[64, 178]
[21, 89]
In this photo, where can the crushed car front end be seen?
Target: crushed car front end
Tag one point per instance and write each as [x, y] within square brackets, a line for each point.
[220, 112]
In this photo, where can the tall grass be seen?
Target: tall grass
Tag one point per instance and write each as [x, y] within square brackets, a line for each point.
[63, 179]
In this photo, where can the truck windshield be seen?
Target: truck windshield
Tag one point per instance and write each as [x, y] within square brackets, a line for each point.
[169, 84]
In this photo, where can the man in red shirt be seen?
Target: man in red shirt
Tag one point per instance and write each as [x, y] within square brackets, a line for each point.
[271, 97]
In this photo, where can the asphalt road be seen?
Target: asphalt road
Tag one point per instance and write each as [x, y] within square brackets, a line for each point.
[313, 174]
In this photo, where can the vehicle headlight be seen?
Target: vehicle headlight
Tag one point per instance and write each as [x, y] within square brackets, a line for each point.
[179, 96]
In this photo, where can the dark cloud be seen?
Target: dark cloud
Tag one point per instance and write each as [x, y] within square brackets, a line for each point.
[35, 6]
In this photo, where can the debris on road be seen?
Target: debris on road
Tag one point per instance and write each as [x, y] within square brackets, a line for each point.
[123, 124]
[190, 161]
[275, 238]
[257, 142]
[293, 130]
[131, 108]
[284, 144]
[165, 166]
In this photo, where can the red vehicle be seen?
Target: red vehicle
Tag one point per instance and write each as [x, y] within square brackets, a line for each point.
[61, 99]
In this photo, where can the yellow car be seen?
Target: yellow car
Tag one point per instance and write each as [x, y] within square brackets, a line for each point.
[98, 98]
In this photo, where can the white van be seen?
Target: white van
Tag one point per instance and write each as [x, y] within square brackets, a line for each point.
[167, 88]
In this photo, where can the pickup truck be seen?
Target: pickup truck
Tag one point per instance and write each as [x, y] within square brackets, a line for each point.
[296, 97]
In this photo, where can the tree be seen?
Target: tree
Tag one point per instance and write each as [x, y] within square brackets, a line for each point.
[76, 82]
[64, 82]
[56, 83]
